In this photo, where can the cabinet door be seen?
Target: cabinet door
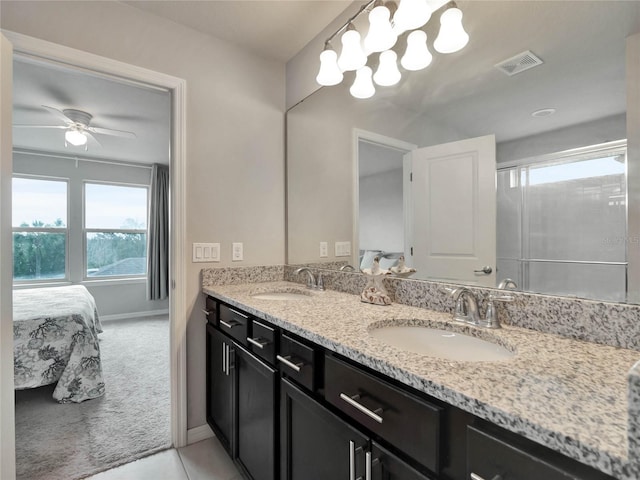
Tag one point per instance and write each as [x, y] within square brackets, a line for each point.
[256, 404]
[220, 385]
[315, 444]
[384, 465]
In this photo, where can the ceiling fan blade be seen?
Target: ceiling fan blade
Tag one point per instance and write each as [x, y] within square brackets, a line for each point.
[92, 136]
[111, 131]
[64, 127]
[58, 113]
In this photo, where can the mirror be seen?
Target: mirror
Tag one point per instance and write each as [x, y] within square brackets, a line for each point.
[463, 95]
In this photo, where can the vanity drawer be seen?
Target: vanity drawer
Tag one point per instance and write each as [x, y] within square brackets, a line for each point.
[210, 309]
[403, 420]
[297, 361]
[234, 323]
[489, 457]
[262, 341]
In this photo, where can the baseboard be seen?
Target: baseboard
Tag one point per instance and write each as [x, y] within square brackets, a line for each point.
[122, 316]
[198, 434]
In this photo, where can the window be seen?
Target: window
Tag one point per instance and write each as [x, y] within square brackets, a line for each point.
[40, 233]
[115, 229]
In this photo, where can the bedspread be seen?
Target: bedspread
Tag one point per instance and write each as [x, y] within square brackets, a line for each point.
[56, 340]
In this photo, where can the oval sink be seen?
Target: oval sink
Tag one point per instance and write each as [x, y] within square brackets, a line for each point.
[441, 343]
[280, 296]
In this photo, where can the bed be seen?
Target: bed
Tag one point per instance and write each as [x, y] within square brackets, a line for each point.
[56, 340]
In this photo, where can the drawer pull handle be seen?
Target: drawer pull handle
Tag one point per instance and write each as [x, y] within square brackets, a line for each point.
[230, 324]
[352, 401]
[258, 342]
[238, 313]
[287, 361]
[206, 312]
[475, 476]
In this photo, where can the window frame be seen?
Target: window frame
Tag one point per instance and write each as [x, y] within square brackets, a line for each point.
[85, 231]
[58, 230]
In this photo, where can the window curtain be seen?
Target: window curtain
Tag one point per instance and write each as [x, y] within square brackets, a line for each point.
[158, 251]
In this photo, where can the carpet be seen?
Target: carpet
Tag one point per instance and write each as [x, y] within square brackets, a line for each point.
[72, 441]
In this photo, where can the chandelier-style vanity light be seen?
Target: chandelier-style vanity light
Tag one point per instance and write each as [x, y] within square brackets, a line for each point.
[387, 21]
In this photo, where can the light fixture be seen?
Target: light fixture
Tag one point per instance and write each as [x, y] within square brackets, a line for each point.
[75, 137]
[329, 74]
[352, 57]
[381, 36]
[363, 86]
[417, 55]
[386, 22]
[452, 36]
[411, 14]
[387, 73]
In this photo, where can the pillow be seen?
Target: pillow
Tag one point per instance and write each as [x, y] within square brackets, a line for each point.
[367, 258]
[387, 262]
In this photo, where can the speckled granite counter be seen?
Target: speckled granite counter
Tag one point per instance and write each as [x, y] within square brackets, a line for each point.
[569, 395]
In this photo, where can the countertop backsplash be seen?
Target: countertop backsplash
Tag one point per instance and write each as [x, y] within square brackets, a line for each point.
[613, 324]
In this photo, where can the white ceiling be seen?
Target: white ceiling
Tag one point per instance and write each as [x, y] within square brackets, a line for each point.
[276, 29]
[113, 104]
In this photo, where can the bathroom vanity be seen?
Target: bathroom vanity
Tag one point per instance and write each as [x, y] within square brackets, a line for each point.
[298, 388]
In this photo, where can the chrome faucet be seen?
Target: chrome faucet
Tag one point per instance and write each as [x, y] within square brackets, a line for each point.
[466, 309]
[507, 283]
[312, 282]
[347, 267]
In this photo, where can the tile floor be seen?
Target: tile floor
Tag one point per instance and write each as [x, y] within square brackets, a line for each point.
[205, 460]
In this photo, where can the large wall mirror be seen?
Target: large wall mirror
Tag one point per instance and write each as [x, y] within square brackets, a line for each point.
[389, 173]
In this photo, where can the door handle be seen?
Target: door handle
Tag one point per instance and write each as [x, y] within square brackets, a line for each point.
[487, 270]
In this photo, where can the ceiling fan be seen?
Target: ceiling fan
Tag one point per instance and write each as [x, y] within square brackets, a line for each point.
[77, 128]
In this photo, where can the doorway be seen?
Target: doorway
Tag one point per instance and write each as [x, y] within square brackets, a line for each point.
[30, 47]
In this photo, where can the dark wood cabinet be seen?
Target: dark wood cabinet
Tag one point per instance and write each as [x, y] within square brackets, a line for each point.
[220, 387]
[315, 443]
[287, 409]
[257, 407]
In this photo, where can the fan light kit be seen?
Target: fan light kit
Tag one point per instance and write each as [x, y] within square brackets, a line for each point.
[387, 22]
[77, 128]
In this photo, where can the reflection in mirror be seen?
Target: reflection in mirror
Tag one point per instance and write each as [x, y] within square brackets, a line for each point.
[560, 150]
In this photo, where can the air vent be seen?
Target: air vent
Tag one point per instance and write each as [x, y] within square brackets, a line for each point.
[521, 62]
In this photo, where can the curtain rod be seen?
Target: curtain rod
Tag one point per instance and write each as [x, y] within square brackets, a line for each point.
[77, 158]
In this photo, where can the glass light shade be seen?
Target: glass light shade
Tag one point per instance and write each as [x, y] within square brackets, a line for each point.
[75, 137]
[387, 73]
[329, 73]
[351, 57]
[417, 55]
[411, 14]
[452, 36]
[363, 86]
[381, 36]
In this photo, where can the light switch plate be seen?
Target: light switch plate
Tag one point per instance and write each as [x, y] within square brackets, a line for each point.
[324, 249]
[343, 249]
[237, 252]
[206, 252]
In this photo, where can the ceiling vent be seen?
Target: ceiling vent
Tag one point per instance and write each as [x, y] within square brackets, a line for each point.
[521, 62]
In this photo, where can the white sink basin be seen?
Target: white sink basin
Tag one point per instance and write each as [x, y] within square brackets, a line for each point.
[441, 343]
[281, 296]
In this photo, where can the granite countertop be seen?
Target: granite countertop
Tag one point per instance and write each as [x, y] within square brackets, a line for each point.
[569, 395]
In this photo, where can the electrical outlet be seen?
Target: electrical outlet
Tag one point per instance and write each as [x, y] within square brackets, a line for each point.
[206, 252]
[237, 253]
[343, 249]
[324, 249]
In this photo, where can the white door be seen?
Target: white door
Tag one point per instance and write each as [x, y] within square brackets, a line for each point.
[7, 424]
[453, 213]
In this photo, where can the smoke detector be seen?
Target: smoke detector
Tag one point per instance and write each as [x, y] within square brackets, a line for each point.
[519, 63]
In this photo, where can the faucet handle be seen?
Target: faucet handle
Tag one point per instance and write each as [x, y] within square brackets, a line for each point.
[500, 298]
[491, 316]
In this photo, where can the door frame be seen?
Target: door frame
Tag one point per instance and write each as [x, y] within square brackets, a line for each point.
[384, 141]
[78, 59]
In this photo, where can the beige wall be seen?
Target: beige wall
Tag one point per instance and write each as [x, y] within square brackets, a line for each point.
[633, 166]
[235, 131]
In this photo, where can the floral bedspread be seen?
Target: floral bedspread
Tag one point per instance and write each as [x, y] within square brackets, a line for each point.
[56, 340]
